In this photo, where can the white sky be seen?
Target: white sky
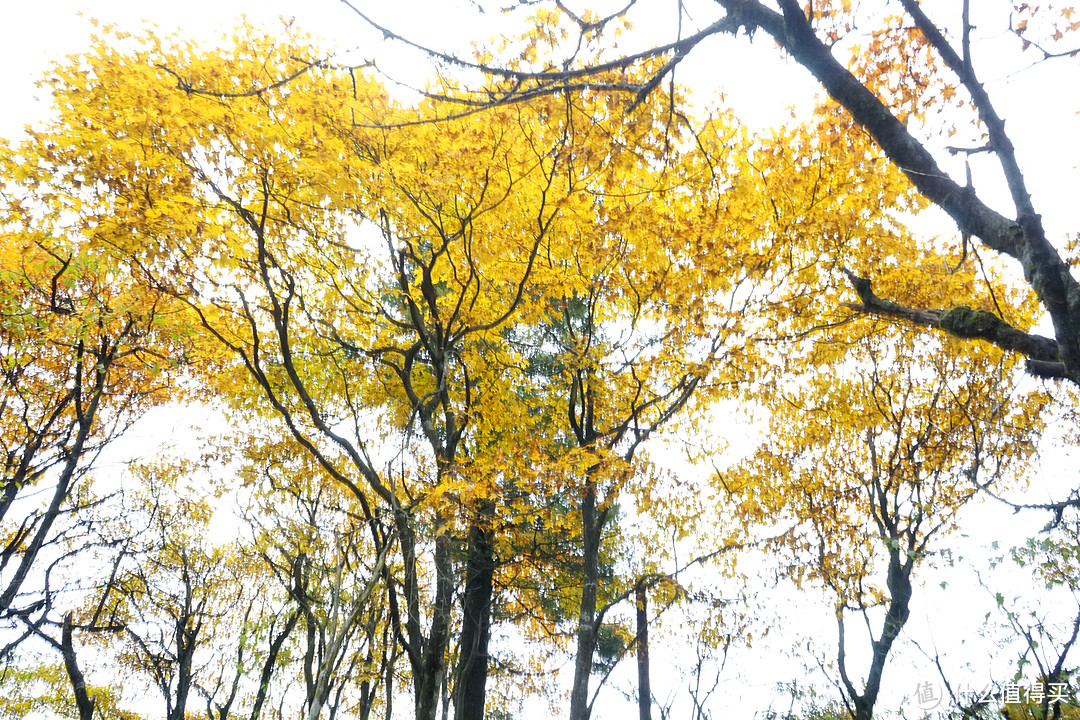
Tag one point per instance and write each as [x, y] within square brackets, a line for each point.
[1040, 104]
[40, 32]
[1044, 115]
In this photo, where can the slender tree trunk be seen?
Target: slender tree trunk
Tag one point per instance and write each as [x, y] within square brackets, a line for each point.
[388, 678]
[369, 687]
[60, 494]
[644, 691]
[899, 585]
[83, 701]
[433, 665]
[587, 625]
[472, 667]
[185, 651]
[271, 663]
[445, 696]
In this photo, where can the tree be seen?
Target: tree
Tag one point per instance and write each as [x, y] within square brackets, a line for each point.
[78, 544]
[47, 689]
[266, 198]
[888, 98]
[185, 607]
[174, 595]
[307, 531]
[920, 441]
[1020, 237]
[411, 296]
[907, 67]
[1045, 634]
[84, 353]
[398, 326]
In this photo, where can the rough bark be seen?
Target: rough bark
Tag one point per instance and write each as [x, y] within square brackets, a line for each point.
[1022, 238]
[1042, 354]
[472, 667]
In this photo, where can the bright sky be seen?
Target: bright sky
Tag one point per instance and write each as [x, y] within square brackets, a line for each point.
[1038, 108]
[42, 31]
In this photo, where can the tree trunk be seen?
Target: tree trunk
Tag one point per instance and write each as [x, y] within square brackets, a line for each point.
[60, 494]
[899, 585]
[472, 668]
[433, 664]
[587, 625]
[644, 691]
[270, 664]
[185, 651]
[83, 701]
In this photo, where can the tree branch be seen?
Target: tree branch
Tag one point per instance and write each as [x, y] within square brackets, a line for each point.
[964, 322]
[1022, 239]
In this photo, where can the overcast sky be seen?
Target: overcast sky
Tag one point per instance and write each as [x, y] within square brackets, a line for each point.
[38, 32]
[1039, 110]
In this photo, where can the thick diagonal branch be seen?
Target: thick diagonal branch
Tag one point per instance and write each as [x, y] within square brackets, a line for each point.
[963, 322]
[1023, 239]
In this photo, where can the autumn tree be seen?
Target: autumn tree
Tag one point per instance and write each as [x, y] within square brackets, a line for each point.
[84, 354]
[667, 300]
[173, 597]
[473, 322]
[350, 291]
[906, 63]
[46, 688]
[630, 358]
[361, 294]
[919, 442]
[908, 68]
[308, 534]
[395, 345]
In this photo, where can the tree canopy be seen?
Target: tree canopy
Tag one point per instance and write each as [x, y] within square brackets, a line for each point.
[460, 339]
